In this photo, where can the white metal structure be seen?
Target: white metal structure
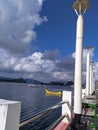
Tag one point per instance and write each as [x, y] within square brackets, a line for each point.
[80, 6]
[67, 108]
[92, 79]
[78, 66]
[9, 115]
[88, 74]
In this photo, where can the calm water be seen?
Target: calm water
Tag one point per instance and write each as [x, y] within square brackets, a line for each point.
[33, 100]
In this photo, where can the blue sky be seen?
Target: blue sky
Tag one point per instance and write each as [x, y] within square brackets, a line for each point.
[60, 28]
[37, 38]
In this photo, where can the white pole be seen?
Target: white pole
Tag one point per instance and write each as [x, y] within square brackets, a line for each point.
[94, 81]
[91, 79]
[78, 67]
[88, 74]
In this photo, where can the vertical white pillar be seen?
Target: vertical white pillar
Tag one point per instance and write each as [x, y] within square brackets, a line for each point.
[78, 67]
[9, 115]
[91, 79]
[88, 74]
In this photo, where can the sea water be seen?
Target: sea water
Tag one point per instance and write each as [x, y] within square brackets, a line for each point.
[34, 100]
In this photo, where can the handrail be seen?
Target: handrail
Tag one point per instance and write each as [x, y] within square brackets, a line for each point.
[27, 121]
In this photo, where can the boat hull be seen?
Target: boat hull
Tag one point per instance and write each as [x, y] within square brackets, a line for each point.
[53, 93]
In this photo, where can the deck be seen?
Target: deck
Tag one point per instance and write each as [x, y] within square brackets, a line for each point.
[90, 112]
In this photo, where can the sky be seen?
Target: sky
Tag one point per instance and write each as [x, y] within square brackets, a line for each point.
[37, 39]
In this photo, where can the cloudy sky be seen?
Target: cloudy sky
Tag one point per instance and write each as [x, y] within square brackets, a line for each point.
[37, 38]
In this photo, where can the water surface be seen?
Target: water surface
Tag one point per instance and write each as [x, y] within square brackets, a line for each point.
[33, 100]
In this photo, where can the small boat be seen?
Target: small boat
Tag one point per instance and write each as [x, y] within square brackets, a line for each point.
[53, 92]
[32, 85]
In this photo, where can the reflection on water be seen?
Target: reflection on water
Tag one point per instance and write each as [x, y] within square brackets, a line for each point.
[33, 100]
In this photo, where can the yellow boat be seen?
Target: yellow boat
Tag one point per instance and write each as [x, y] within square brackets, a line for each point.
[53, 93]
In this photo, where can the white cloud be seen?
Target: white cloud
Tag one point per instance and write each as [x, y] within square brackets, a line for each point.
[18, 19]
[29, 36]
[36, 67]
[63, 76]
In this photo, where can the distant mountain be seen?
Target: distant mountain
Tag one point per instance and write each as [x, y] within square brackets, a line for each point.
[33, 81]
[19, 80]
[7, 79]
[62, 83]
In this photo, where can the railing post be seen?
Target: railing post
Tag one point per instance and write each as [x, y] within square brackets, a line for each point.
[67, 107]
[66, 110]
[9, 115]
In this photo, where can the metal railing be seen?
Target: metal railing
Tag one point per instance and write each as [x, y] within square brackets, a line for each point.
[10, 110]
[38, 115]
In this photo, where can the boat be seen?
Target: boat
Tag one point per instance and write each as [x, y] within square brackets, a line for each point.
[32, 85]
[53, 92]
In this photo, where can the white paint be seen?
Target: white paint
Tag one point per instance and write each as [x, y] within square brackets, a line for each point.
[88, 74]
[94, 88]
[78, 67]
[67, 107]
[92, 80]
[9, 115]
[83, 93]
